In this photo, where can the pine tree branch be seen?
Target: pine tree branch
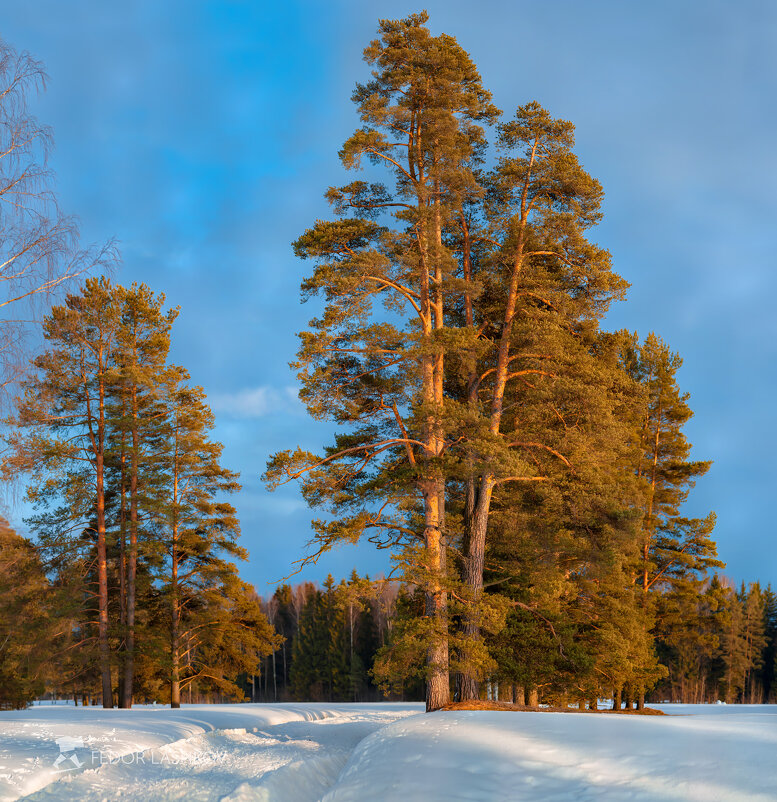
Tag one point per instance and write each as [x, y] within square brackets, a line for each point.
[376, 448]
[544, 447]
[521, 479]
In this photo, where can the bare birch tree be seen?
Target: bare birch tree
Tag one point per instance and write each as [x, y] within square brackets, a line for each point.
[39, 250]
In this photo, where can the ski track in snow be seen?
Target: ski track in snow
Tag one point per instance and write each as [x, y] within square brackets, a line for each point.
[362, 752]
[200, 752]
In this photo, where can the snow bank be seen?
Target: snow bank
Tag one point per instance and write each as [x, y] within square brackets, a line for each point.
[721, 753]
[85, 749]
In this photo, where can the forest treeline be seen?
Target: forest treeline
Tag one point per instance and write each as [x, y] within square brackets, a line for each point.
[716, 643]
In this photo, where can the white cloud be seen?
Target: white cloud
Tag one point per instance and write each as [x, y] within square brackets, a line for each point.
[255, 402]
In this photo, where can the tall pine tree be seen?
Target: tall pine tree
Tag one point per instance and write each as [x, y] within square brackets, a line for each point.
[382, 374]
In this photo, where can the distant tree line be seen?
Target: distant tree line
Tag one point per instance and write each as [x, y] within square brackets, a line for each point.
[718, 643]
[331, 637]
[713, 643]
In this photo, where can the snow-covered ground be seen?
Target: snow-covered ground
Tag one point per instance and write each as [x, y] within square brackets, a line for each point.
[353, 753]
[291, 752]
[712, 753]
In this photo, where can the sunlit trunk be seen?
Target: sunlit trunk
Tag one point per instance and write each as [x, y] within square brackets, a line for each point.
[132, 563]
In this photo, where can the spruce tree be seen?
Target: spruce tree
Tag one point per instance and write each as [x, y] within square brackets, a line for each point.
[320, 667]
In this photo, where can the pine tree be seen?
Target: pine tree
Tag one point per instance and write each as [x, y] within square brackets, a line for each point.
[142, 347]
[63, 425]
[675, 550]
[200, 531]
[673, 547]
[383, 375]
[127, 490]
[544, 287]
[226, 635]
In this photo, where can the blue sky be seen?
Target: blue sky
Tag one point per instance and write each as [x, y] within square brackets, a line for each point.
[201, 135]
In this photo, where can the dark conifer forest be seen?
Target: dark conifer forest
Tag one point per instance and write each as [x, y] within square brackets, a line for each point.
[526, 469]
[712, 642]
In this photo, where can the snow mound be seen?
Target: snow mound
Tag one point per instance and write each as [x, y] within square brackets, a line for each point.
[300, 781]
[484, 755]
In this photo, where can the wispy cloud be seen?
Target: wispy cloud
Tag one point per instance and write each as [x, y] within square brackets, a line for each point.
[256, 402]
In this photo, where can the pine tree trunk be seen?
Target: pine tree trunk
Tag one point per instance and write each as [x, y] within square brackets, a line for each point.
[432, 485]
[474, 562]
[175, 651]
[534, 698]
[102, 583]
[132, 564]
[616, 700]
[175, 607]
[102, 562]
[475, 536]
[466, 682]
[436, 603]
[122, 576]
